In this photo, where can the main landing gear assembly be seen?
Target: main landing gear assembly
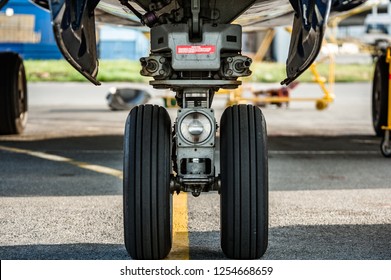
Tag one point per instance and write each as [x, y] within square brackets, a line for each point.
[195, 58]
[13, 94]
[381, 101]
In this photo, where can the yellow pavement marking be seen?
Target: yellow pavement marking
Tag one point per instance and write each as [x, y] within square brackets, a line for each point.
[180, 245]
[92, 167]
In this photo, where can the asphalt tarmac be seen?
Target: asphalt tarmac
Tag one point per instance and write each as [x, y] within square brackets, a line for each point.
[330, 188]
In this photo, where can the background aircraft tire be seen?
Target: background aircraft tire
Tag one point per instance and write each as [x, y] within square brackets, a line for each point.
[385, 148]
[244, 182]
[380, 95]
[146, 184]
[13, 94]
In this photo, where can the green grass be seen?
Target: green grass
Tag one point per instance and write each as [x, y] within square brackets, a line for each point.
[275, 72]
[128, 71]
[62, 71]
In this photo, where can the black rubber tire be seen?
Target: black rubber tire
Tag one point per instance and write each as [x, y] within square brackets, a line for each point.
[244, 182]
[146, 183]
[385, 149]
[13, 94]
[380, 95]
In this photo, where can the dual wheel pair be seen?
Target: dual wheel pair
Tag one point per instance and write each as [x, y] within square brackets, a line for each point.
[244, 183]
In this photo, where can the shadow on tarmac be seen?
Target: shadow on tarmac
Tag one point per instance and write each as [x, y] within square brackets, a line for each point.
[276, 143]
[24, 175]
[81, 251]
[314, 242]
[320, 242]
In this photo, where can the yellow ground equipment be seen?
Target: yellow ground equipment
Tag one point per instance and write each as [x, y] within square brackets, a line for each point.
[269, 97]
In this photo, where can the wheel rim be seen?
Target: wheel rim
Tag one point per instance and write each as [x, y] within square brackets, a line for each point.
[386, 149]
[22, 104]
[385, 145]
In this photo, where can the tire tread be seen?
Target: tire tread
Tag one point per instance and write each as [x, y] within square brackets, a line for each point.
[244, 209]
[381, 69]
[146, 183]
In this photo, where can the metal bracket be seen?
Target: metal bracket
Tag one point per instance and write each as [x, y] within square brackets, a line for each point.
[195, 10]
[307, 35]
[195, 152]
[74, 29]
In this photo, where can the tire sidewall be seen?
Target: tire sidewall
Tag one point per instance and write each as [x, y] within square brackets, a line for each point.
[380, 95]
[13, 117]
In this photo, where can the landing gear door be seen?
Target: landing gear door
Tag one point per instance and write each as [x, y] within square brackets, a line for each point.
[307, 35]
[74, 29]
[3, 3]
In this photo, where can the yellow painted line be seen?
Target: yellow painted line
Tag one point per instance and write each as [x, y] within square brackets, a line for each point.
[92, 167]
[180, 245]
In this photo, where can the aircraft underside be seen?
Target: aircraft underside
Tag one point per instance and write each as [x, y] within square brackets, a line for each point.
[195, 51]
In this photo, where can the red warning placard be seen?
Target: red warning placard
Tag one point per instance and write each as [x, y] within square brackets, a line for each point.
[191, 49]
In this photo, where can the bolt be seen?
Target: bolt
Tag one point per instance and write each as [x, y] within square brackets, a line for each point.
[152, 65]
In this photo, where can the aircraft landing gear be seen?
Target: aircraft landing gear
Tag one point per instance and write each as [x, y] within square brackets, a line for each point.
[13, 94]
[195, 57]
